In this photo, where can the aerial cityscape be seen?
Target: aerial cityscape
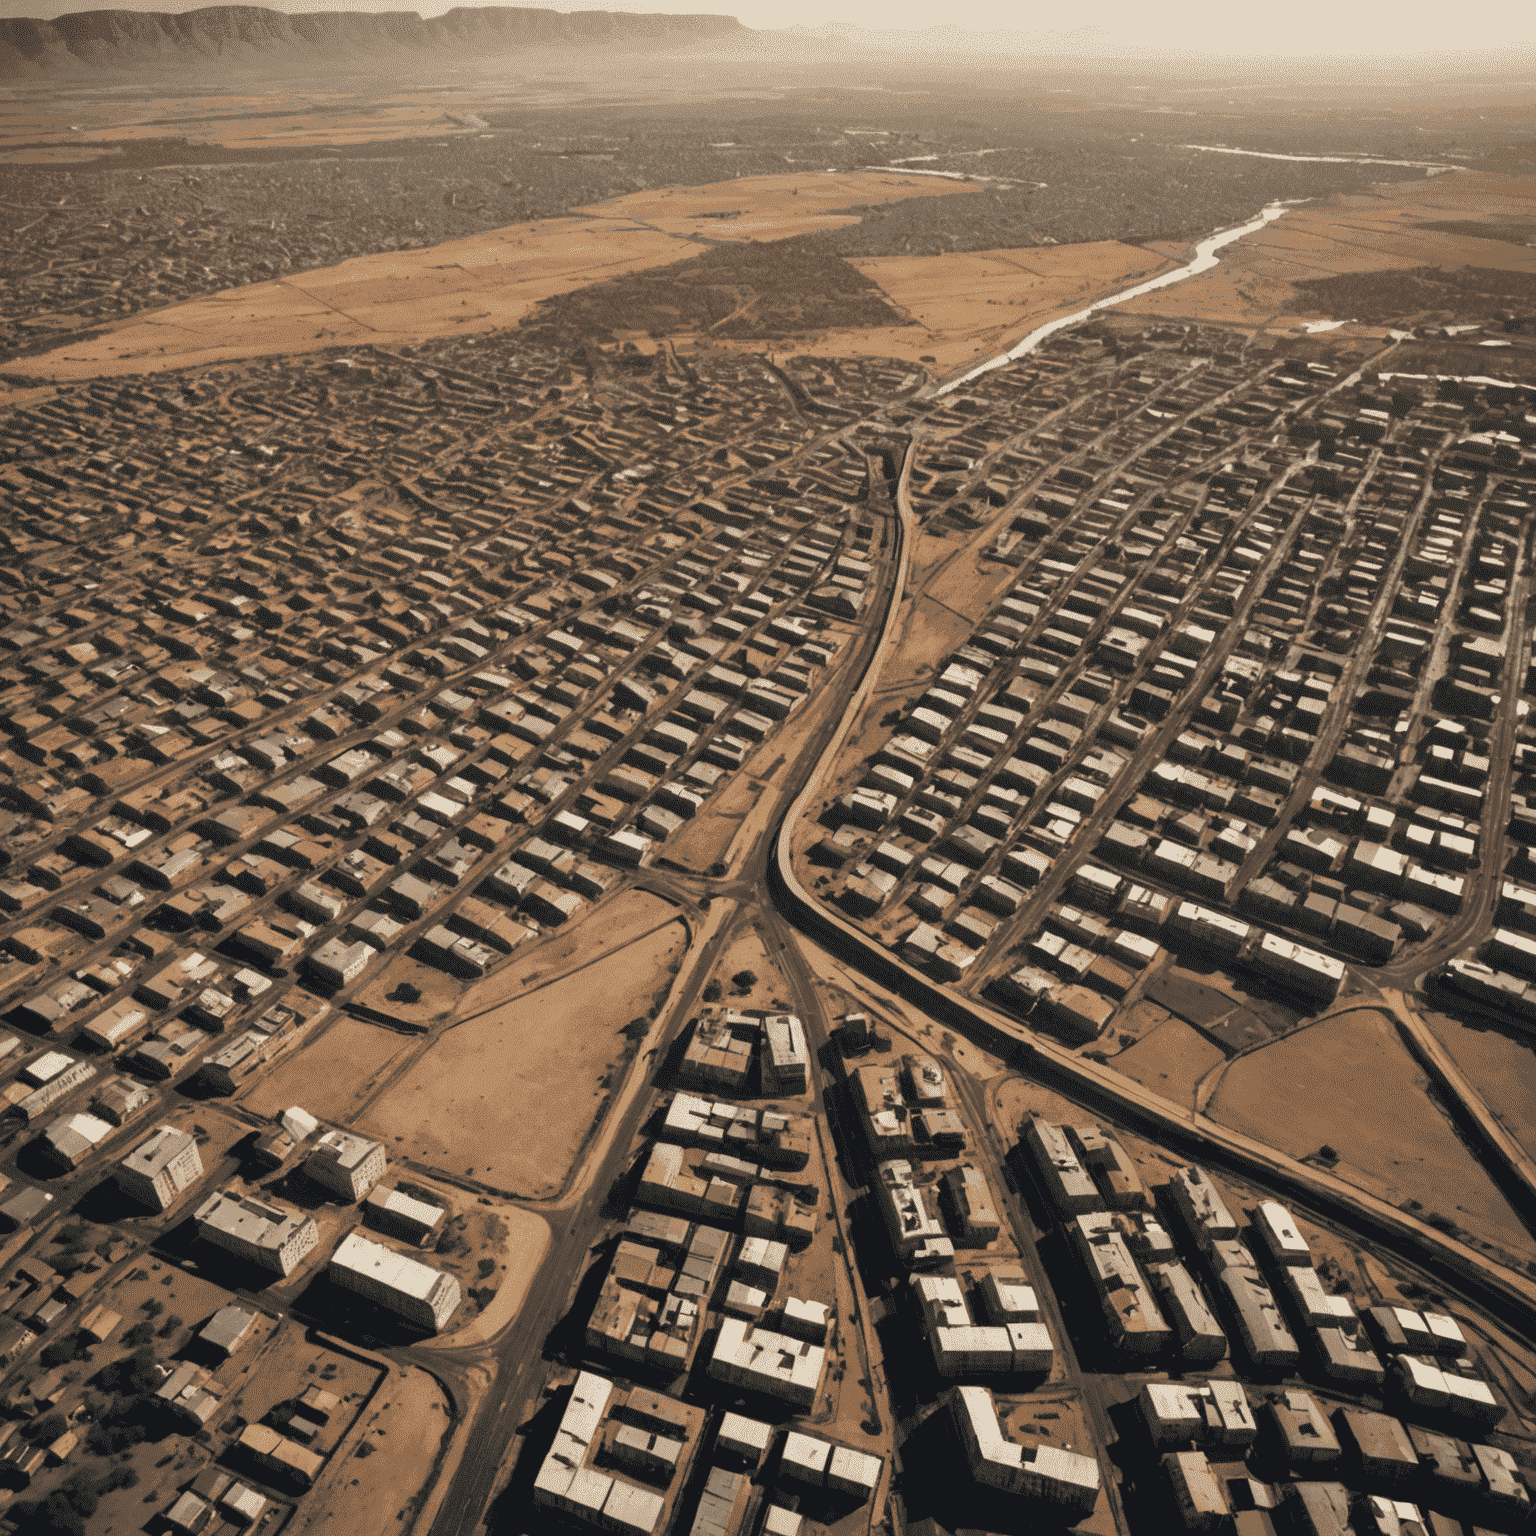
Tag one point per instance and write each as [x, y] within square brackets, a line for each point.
[763, 782]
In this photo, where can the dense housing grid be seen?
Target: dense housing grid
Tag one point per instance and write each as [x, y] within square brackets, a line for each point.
[427, 654]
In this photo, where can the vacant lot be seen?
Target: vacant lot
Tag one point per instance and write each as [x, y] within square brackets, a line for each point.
[1349, 1082]
[333, 1076]
[360, 1495]
[1170, 1060]
[1502, 1069]
[508, 1093]
[482, 283]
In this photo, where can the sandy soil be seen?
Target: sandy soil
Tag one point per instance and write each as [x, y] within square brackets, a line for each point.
[333, 1076]
[1353, 232]
[539, 1058]
[748, 952]
[522, 1251]
[482, 283]
[1170, 1060]
[972, 304]
[1366, 1098]
[1502, 1069]
[358, 1496]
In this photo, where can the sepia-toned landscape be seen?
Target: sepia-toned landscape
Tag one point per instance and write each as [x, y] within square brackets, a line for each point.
[763, 781]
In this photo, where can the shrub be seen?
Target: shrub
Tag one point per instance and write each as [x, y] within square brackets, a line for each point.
[486, 1268]
[60, 1352]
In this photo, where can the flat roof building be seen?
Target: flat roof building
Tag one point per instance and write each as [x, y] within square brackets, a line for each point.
[1200, 1208]
[162, 1167]
[916, 1232]
[1183, 1304]
[1197, 1495]
[1266, 1339]
[256, 1231]
[345, 1164]
[402, 1216]
[620, 1459]
[1064, 1480]
[1216, 1413]
[422, 1295]
[1376, 1445]
[1301, 1431]
[1278, 1234]
[773, 1364]
[1067, 1184]
[1135, 1323]
[786, 1063]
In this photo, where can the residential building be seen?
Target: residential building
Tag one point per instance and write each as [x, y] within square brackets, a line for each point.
[345, 1164]
[1065, 1482]
[163, 1166]
[257, 1232]
[422, 1295]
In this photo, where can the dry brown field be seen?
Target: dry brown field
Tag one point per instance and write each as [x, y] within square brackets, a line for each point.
[1501, 1068]
[333, 1075]
[534, 1061]
[1367, 1099]
[970, 305]
[1170, 1059]
[1368, 231]
[485, 282]
[59, 127]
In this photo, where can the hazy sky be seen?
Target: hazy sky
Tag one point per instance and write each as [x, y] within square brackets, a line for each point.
[1295, 28]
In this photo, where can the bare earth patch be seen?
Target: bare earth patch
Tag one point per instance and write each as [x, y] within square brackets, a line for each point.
[1170, 1060]
[485, 282]
[508, 1094]
[1365, 1097]
[333, 1076]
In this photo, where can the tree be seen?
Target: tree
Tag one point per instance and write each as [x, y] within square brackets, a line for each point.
[486, 1268]
[713, 991]
[60, 1351]
[744, 981]
[47, 1429]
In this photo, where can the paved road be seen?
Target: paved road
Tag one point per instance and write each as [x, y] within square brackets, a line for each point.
[516, 1355]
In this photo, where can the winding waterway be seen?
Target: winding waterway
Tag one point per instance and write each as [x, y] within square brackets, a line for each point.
[1205, 259]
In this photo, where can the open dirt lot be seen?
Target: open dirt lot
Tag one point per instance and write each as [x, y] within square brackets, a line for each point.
[483, 283]
[334, 1075]
[508, 1093]
[1501, 1068]
[1385, 228]
[1367, 1099]
[67, 127]
[1170, 1060]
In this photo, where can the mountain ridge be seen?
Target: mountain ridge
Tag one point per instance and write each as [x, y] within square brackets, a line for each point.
[250, 34]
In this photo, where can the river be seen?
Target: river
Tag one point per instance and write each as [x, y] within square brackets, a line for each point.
[1434, 167]
[1205, 259]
